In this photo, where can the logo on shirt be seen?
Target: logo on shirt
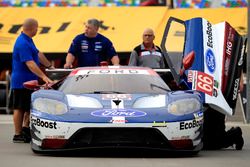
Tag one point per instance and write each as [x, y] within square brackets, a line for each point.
[84, 46]
[98, 46]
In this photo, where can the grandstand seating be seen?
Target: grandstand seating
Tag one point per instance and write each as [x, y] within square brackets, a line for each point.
[74, 3]
[69, 3]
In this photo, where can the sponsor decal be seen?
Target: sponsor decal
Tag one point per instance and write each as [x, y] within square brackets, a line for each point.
[198, 115]
[229, 48]
[157, 53]
[210, 61]
[118, 112]
[44, 124]
[189, 125]
[98, 47]
[216, 84]
[145, 53]
[118, 120]
[116, 96]
[202, 82]
[111, 71]
[15, 28]
[209, 35]
[228, 51]
[190, 76]
[236, 87]
[226, 66]
[55, 137]
[240, 62]
[159, 124]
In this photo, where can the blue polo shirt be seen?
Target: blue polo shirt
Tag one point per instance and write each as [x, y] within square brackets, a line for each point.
[91, 51]
[24, 50]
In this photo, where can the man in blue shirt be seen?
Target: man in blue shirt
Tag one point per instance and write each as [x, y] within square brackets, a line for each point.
[25, 67]
[91, 48]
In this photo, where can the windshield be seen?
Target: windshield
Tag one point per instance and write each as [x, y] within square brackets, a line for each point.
[125, 83]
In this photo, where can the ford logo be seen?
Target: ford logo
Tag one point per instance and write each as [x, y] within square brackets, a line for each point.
[210, 60]
[118, 112]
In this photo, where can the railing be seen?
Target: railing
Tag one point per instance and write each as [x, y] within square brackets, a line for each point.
[6, 89]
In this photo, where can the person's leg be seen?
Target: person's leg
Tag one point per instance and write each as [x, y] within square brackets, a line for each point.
[215, 135]
[21, 103]
[26, 127]
[26, 119]
[18, 121]
[214, 132]
[234, 137]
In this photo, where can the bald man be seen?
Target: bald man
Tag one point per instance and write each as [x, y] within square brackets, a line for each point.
[25, 67]
[147, 54]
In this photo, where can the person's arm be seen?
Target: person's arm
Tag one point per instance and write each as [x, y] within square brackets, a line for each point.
[36, 70]
[44, 60]
[115, 60]
[69, 60]
[133, 59]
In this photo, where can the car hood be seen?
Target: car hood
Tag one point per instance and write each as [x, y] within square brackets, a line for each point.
[127, 108]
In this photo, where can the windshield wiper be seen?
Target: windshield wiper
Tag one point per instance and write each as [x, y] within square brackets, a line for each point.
[157, 86]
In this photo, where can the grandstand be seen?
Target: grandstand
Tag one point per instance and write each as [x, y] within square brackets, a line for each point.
[110, 3]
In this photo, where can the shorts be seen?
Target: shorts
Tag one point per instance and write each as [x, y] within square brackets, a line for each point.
[20, 99]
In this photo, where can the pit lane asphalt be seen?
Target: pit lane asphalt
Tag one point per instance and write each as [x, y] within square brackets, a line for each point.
[17, 154]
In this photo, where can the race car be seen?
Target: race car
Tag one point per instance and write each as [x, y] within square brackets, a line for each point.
[114, 107]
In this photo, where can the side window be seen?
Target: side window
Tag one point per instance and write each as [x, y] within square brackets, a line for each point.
[172, 45]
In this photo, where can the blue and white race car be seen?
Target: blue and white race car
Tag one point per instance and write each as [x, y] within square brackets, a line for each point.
[132, 107]
[115, 107]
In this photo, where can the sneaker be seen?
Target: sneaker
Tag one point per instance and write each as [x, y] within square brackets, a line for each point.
[239, 143]
[235, 136]
[18, 139]
[26, 134]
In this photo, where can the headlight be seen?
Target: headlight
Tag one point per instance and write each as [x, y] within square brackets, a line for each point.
[184, 106]
[83, 102]
[49, 106]
[150, 102]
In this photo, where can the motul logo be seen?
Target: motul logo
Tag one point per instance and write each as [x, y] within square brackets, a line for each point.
[236, 86]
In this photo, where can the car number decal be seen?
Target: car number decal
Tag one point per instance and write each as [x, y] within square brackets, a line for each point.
[201, 81]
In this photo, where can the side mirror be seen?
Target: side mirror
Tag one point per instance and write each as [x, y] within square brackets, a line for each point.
[32, 85]
[188, 60]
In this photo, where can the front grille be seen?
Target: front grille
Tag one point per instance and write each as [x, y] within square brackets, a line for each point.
[118, 137]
